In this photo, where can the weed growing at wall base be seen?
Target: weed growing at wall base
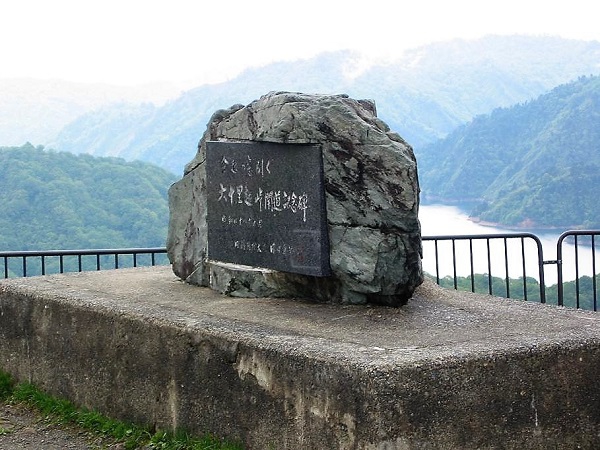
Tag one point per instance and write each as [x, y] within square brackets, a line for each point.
[132, 436]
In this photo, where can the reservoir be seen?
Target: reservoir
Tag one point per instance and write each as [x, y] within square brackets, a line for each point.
[438, 220]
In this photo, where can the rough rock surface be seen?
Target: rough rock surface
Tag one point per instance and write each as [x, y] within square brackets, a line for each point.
[372, 197]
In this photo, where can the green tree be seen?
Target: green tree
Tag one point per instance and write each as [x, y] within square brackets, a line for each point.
[54, 200]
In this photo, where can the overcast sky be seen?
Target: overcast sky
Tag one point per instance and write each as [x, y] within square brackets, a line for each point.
[139, 41]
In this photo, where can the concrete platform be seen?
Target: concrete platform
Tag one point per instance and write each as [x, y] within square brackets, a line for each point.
[448, 370]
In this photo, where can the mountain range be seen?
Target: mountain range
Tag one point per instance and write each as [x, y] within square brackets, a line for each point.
[424, 95]
[470, 109]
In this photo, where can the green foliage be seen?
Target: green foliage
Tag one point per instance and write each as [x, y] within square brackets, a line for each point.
[534, 165]
[576, 294]
[54, 200]
[130, 435]
[518, 288]
[7, 385]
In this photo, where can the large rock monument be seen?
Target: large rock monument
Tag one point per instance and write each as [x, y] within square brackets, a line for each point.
[298, 195]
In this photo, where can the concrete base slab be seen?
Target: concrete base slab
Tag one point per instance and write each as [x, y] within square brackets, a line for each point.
[447, 370]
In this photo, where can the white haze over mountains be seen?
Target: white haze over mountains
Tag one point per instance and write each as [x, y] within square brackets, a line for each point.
[189, 43]
[433, 90]
[71, 57]
[451, 84]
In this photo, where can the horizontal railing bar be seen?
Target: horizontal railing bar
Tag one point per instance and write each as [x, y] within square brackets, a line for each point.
[478, 236]
[86, 252]
[579, 233]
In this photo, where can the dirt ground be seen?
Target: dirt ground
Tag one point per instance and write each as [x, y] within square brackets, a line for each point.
[25, 429]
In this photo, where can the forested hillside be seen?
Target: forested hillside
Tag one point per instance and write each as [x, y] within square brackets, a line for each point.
[56, 200]
[534, 165]
[423, 96]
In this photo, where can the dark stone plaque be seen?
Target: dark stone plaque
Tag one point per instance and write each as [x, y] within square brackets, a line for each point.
[266, 206]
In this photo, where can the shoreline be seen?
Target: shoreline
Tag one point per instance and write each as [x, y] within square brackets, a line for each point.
[527, 225]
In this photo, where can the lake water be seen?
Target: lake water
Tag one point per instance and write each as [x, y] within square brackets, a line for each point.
[439, 220]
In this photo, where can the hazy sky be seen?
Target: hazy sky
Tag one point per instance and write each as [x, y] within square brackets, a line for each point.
[138, 41]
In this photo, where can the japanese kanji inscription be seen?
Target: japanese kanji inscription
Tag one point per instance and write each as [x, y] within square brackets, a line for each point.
[266, 206]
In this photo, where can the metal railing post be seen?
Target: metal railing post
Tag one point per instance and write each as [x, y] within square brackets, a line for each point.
[560, 264]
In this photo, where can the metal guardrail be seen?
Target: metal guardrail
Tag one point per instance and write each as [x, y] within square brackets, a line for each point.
[495, 246]
[503, 240]
[580, 238]
[31, 263]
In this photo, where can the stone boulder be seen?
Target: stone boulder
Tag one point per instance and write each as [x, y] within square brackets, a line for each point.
[371, 192]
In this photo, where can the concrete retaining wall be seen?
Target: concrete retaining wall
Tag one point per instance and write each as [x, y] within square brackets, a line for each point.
[448, 370]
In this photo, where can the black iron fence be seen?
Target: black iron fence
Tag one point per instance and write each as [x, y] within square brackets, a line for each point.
[31, 263]
[510, 265]
[463, 249]
[513, 265]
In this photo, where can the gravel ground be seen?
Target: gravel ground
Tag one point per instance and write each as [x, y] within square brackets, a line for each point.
[25, 429]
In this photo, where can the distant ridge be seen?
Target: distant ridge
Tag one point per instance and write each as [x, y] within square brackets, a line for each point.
[35, 110]
[423, 96]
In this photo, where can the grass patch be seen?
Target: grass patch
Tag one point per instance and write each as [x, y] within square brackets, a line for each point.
[132, 436]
